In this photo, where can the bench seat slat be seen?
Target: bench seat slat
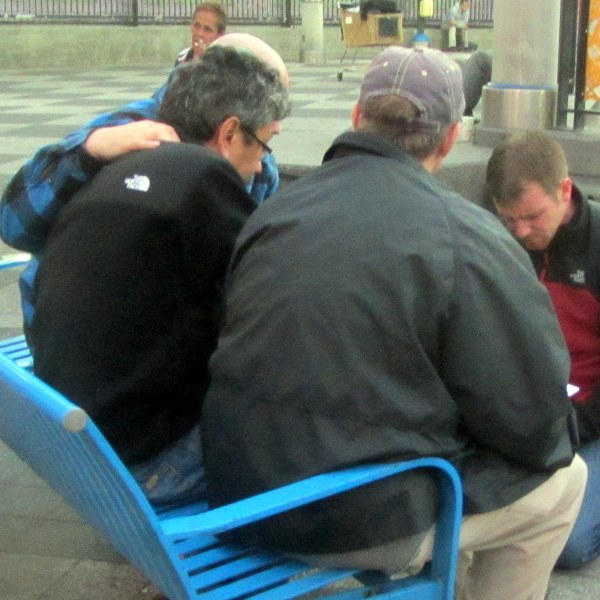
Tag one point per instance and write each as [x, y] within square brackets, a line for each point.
[241, 568]
[274, 580]
[14, 343]
[17, 351]
[195, 544]
[212, 556]
[314, 580]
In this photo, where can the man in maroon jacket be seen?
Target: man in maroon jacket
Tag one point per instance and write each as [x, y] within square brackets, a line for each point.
[536, 199]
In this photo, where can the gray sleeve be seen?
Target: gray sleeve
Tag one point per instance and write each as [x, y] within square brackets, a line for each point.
[506, 363]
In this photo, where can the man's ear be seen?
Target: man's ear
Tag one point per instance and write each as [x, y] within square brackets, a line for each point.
[226, 135]
[449, 139]
[434, 161]
[566, 188]
[356, 116]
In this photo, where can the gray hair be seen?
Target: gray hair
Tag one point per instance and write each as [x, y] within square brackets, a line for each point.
[397, 119]
[225, 82]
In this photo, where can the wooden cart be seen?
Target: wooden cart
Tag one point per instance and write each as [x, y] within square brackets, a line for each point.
[376, 30]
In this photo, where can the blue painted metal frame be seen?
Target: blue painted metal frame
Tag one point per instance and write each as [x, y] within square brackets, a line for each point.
[14, 260]
[16, 347]
[179, 550]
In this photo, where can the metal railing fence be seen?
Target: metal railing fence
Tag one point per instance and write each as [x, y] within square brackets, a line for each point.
[481, 12]
[572, 66]
[275, 12]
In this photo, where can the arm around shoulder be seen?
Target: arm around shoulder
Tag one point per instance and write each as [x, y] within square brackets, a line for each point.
[45, 183]
[37, 191]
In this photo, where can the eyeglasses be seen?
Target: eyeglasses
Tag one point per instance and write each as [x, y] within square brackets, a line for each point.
[251, 133]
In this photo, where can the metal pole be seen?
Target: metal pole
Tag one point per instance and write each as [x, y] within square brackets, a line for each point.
[135, 13]
[523, 92]
[583, 17]
[287, 21]
[312, 51]
[566, 65]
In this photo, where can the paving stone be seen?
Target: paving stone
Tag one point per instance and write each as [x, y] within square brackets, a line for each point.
[31, 576]
[107, 581]
[65, 539]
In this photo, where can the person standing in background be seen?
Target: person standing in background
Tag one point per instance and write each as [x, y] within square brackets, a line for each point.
[456, 22]
[209, 22]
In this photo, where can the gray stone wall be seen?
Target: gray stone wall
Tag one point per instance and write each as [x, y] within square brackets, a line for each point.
[27, 46]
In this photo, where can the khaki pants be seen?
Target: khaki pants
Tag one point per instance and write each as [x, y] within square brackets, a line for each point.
[506, 554]
[452, 37]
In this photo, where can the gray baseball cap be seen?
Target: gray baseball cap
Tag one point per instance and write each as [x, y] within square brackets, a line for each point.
[426, 77]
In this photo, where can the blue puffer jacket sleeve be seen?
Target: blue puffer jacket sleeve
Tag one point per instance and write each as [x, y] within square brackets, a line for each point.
[45, 183]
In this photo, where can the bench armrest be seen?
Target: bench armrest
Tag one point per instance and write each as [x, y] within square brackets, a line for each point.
[291, 496]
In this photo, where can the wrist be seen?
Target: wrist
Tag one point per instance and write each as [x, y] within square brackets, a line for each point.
[89, 164]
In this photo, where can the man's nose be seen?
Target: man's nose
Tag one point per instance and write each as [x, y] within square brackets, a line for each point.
[521, 229]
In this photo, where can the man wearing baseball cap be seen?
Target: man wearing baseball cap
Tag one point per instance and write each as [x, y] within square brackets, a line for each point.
[372, 316]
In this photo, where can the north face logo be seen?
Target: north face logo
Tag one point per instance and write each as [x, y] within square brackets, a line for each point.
[139, 183]
[578, 276]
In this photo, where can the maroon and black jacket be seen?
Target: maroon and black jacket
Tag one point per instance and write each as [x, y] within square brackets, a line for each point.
[570, 270]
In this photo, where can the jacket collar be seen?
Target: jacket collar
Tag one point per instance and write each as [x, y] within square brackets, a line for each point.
[360, 142]
[578, 223]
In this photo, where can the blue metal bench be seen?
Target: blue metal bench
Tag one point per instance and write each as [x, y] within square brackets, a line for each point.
[179, 550]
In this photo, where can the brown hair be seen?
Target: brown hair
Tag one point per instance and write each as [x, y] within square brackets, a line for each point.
[396, 118]
[524, 158]
[217, 10]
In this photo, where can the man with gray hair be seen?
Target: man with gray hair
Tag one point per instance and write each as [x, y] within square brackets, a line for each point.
[372, 316]
[45, 183]
[128, 292]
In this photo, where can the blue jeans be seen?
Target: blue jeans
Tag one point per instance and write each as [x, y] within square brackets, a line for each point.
[583, 544]
[176, 475]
